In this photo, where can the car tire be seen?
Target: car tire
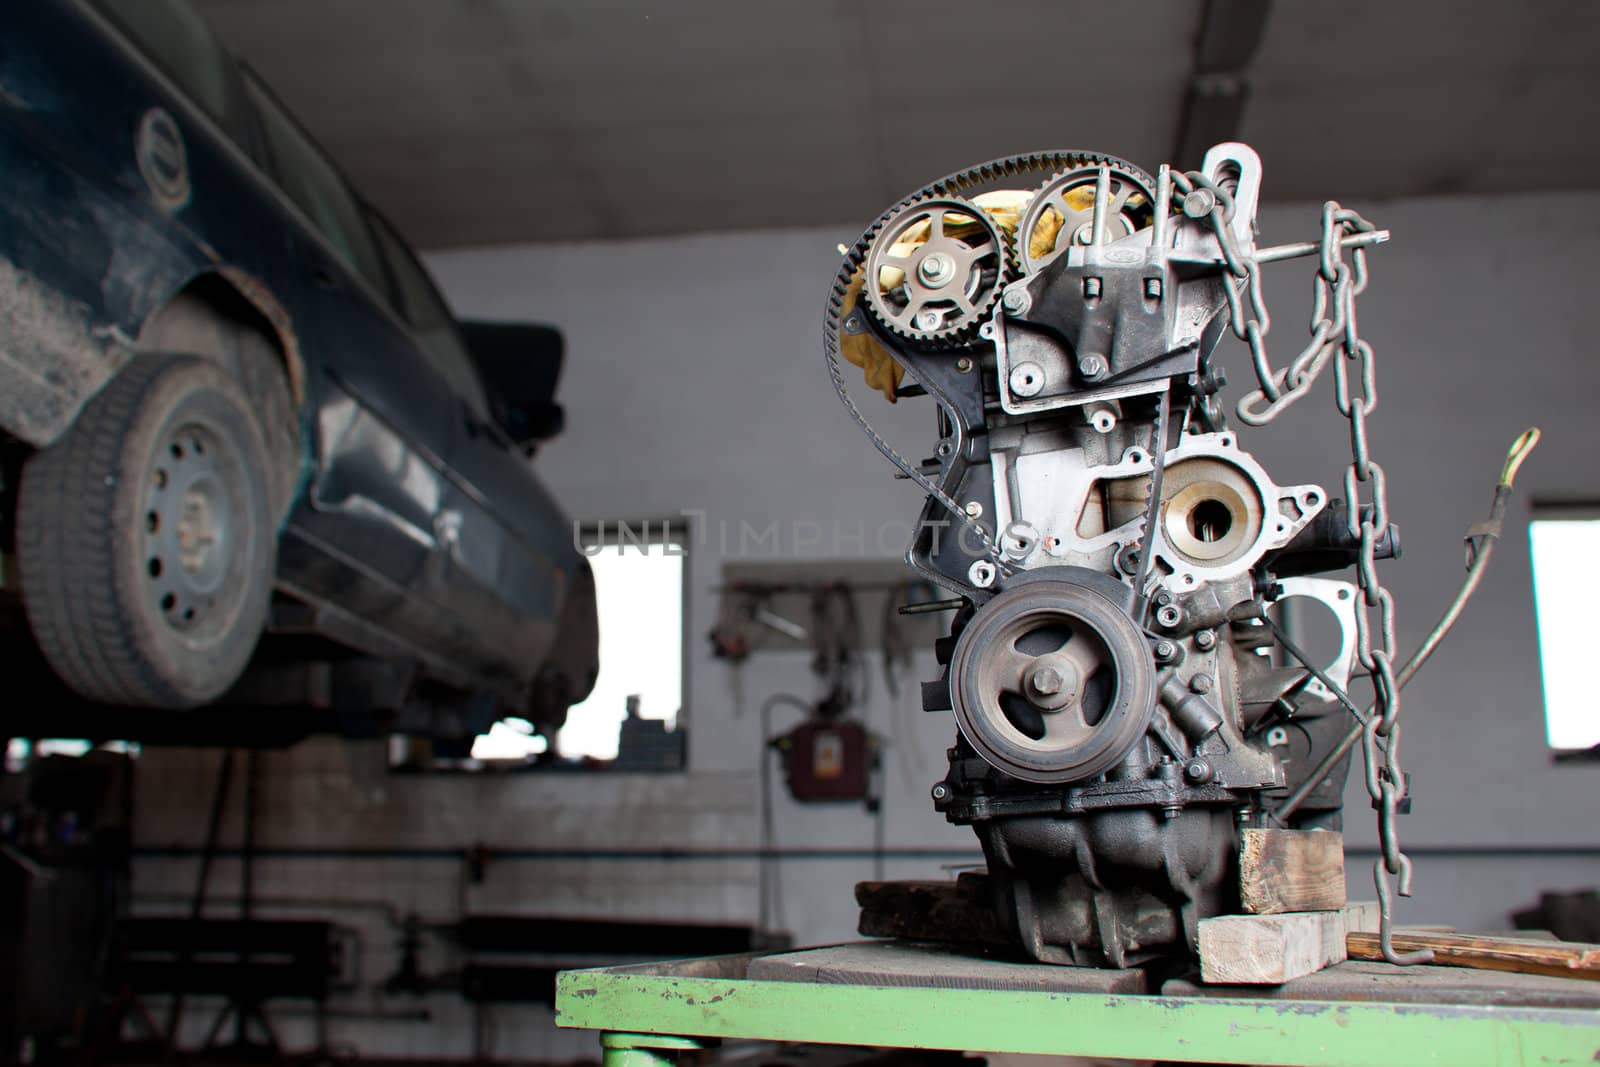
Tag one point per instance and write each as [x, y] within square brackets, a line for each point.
[146, 537]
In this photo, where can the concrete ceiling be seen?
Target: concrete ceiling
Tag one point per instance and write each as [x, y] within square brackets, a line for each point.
[477, 122]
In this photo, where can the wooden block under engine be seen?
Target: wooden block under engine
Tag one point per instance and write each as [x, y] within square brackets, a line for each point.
[1270, 949]
[1291, 870]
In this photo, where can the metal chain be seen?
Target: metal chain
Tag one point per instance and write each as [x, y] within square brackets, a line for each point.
[1334, 339]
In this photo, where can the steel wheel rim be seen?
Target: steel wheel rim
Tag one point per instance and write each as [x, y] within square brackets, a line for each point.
[192, 522]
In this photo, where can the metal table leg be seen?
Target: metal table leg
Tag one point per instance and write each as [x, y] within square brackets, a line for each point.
[645, 1050]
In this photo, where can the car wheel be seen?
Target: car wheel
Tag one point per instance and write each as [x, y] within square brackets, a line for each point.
[146, 537]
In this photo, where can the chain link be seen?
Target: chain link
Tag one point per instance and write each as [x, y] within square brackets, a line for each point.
[1335, 339]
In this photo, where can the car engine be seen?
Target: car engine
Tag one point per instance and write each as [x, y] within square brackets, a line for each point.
[1127, 696]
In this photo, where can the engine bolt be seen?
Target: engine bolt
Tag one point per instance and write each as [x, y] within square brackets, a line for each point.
[974, 509]
[1169, 616]
[1091, 288]
[964, 364]
[1199, 203]
[929, 320]
[1206, 640]
[1197, 770]
[1016, 301]
[936, 269]
[1092, 367]
[1027, 379]
[1046, 681]
[940, 791]
[1201, 683]
[1165, 650]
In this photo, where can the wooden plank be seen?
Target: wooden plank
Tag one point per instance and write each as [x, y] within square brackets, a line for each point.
[1363, 915]
[1291, 870]
[1558, 959]
[926, 966]
[734, 966]
[1384, 983]
[957, 912]
[1271, 949]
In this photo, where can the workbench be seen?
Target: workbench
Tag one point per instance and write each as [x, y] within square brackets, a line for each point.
[900, 995]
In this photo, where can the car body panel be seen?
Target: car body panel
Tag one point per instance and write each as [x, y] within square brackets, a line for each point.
[412, 513]
[79, 220]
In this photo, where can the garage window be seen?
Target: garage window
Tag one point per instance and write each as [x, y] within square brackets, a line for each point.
[639, 579]
[633, 720]
[1565, 545]
[21, 752]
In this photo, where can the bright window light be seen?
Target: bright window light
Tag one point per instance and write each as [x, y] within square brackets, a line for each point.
[509, 739]
[1566, 585]
[19, 752]
[639, 598]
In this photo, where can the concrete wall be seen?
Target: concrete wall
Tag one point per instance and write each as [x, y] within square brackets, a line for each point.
[695, 384]
[342, 839]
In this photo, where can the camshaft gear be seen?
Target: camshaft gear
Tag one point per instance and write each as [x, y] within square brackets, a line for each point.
[936, 269]
[1061, 213]
[968, 181]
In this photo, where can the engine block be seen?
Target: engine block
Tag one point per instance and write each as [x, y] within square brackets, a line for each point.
[1123, 699]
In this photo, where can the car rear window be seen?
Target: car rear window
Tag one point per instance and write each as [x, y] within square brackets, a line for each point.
[430, 318]
[180, 43]
[310, 179]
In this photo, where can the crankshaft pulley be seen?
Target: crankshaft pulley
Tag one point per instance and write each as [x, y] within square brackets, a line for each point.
[1052, 682]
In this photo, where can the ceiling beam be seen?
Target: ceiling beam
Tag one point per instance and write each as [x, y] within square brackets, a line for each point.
[1214, 104]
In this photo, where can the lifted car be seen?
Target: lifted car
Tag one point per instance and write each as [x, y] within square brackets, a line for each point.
[232, 404]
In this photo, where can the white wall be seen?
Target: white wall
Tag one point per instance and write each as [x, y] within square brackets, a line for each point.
[695, 382]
